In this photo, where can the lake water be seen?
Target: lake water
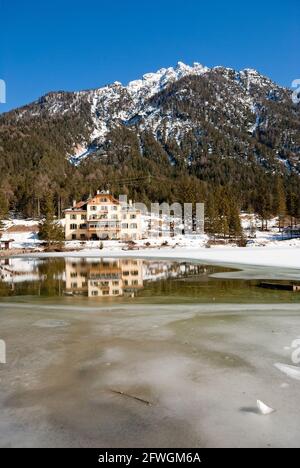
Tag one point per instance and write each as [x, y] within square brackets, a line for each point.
[133, 353]
[134, 281]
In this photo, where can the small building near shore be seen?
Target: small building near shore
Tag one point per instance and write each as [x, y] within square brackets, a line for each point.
[6, 244]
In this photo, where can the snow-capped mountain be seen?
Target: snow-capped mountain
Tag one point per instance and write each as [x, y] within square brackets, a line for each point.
[106, 101]
[207, 109]
[116, 104]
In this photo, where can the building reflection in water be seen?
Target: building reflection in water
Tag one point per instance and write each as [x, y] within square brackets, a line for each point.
[116, 278]
[96, 278]
[104, 278]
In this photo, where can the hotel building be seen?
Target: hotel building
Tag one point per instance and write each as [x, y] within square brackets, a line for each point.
[103, 217]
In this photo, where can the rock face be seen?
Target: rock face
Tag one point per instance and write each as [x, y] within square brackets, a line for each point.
[195, 114]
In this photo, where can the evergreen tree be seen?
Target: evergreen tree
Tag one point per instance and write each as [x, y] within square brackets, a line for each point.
[1, 227]
[235, 227]
[211, 216]
[280, 202]
[263, 206]
[50, 229]
[224, 213]
[3, 212]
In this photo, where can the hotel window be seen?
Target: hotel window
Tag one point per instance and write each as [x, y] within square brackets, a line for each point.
[73, 227]
[132, 216]
[94, 293]
[133, 226]
[73, 216]
[83, 217]
[73, 285]
[74, 275]
[93, 208]
[124, 226]
[116, 292]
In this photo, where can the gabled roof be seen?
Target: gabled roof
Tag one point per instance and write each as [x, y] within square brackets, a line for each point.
[78, 207]
[96, 198]
[93, 200]
[81, 204]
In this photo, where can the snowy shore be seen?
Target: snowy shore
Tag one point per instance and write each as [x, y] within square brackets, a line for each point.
[266, 249]
[286, 257]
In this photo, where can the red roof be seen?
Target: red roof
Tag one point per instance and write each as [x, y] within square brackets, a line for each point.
[101, 196]
[95, 200]
[81, 204]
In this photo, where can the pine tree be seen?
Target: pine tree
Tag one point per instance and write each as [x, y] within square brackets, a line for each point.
[280, 200]
[211, 216]
[235, 227]
[224, 213]
[1, 227]
[3, 212]
[49, 229]
[263, 206]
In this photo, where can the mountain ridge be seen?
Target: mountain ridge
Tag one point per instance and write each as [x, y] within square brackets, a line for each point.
[216, 124]
[117, 103]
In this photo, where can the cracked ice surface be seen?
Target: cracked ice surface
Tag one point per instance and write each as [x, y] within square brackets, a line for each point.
[202, 368]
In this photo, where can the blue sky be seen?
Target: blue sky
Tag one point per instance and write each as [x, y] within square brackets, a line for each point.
[72, 45]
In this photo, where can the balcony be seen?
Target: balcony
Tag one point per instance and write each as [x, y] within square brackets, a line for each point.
[98, 212]
[98, 217]
[104, 226]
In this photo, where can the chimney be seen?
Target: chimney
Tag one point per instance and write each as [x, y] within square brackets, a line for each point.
[74, 203]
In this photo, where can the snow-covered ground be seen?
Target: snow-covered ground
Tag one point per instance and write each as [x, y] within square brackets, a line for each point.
[271, 238]
[23, 232]
[285, 257]
[263, 248]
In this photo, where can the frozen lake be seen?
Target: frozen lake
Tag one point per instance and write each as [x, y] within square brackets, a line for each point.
[178, 358]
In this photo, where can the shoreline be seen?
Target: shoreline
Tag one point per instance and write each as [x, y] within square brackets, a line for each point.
[236, 258]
